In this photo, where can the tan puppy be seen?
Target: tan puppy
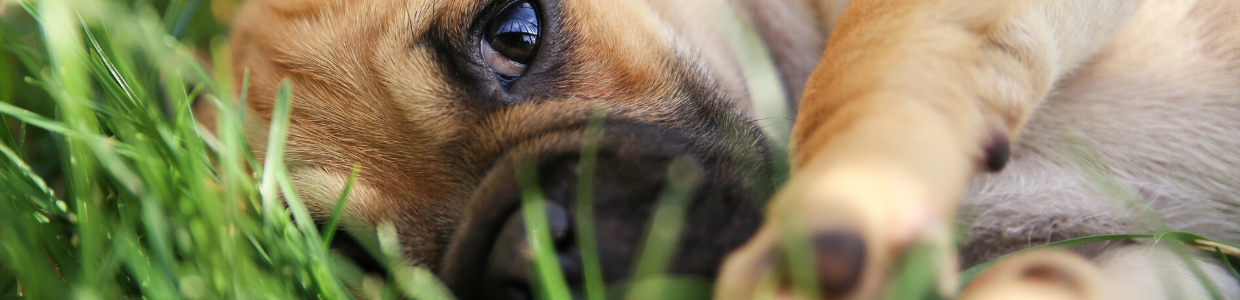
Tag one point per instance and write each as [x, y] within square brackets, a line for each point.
[914, 101]
[434, 100]
[1030, 120]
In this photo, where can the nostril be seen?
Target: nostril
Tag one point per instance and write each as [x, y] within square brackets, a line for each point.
[517, 292]
[570, 264]
[839, 258]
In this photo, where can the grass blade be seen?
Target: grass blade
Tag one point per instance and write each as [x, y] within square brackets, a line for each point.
[595, 288]
[274, 159]
[415, 283]
[330, 230]
[1230, 263]
[968, 275]
[799, 252]
[551, 285]
[657, 250]
[916, 275]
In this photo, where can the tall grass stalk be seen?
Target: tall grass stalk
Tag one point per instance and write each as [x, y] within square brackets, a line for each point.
[551, 282]
[649, 279]
[592, 270]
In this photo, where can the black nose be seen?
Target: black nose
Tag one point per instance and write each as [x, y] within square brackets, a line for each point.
[628, 192]
[490, 256]
[625, 191]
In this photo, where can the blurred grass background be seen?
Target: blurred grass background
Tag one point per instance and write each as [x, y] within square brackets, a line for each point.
[108, 189]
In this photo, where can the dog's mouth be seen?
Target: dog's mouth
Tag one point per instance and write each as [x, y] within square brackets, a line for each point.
[490, 255]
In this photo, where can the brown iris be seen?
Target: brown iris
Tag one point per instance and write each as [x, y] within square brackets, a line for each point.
[511, 39]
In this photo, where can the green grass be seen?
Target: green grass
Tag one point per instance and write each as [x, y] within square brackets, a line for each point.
[131, 202]
[592, 269]
[109, 189]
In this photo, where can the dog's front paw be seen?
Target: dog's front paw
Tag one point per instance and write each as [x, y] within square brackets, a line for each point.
[1044, 275]
[843, 233]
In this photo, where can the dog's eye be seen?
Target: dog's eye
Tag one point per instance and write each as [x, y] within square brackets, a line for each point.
[511, 39]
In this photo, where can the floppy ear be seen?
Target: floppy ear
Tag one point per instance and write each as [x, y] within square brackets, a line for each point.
[264, 32]
[293, 8]
[256, 26]
[300, 40]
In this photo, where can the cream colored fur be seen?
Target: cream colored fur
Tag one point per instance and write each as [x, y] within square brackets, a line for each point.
[892, 130]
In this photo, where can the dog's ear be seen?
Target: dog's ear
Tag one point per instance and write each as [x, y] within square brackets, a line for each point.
[293, 8]
[259, 28]
[262, 31]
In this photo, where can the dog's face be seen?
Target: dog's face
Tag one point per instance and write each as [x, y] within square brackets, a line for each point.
[435, 100]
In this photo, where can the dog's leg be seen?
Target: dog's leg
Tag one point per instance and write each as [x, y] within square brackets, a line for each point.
[795, 33]
[1137, 271]
[1043, 275]
[911, 100]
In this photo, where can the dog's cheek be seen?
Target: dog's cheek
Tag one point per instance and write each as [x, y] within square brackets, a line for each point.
[320, 189]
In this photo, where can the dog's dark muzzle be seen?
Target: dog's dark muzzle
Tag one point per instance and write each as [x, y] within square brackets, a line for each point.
[491, 258]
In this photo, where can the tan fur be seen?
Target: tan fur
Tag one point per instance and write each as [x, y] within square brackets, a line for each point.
[370, 91]
[891, 133]
[892, 130]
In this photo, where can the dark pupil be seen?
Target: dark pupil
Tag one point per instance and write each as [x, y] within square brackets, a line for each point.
[514, 32]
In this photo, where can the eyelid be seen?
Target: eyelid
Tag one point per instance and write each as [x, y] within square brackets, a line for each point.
[499, 63]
